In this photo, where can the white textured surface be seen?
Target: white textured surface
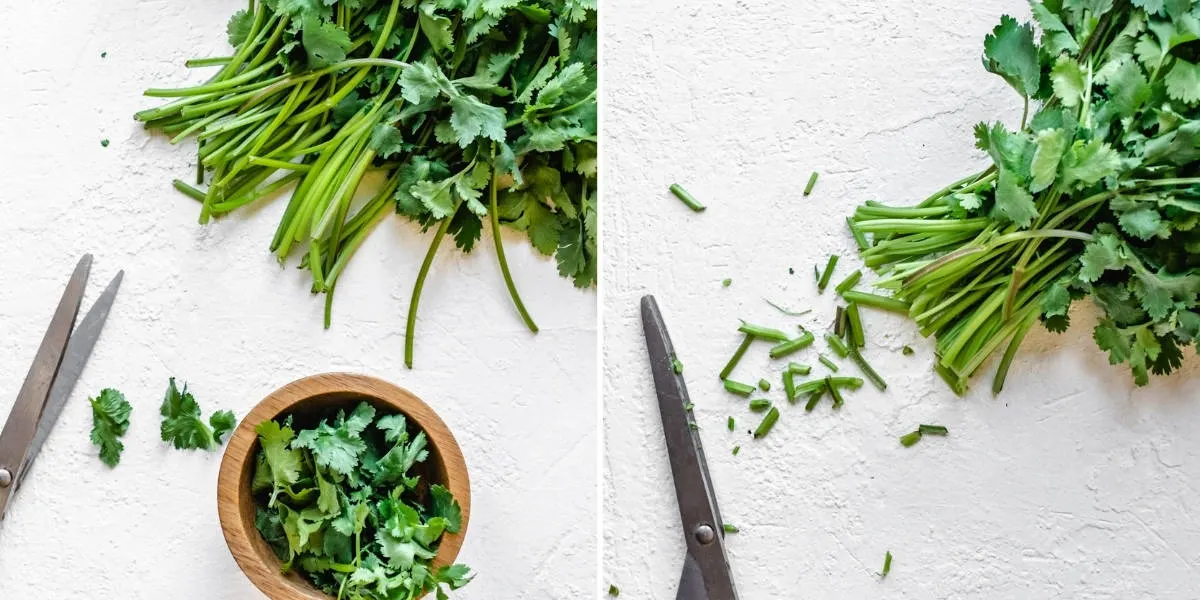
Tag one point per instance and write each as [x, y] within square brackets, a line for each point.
[1070, 485]
[211, 307]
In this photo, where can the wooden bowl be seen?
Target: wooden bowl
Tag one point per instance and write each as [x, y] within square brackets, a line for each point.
[317, 394]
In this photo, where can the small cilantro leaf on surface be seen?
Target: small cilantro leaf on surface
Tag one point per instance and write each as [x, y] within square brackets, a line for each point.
[110, 421]
[183, 426]
[222, 422]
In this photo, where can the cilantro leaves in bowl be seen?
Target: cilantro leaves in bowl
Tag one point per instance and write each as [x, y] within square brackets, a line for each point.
[345, 486]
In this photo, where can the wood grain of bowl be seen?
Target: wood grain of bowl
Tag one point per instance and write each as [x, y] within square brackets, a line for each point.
[317, 395]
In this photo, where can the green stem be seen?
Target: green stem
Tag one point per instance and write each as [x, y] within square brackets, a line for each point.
[411, 325]
[508, 280]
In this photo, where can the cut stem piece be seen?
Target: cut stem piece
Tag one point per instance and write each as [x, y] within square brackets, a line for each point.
[508, 280]
[411, 326]
[857, 335]
[767, 423]
[686, 198]
[812, 182]
[790, 346]
[739, 388]
[766, 333]
[737, 356]
[877, 301]
[827, 273]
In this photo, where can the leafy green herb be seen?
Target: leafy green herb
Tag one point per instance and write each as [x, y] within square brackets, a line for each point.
[104, 142]
[767, 423]
[933, 430]
[907, 351]
[110, 421]
[823, 281]
[183, 426]
[104, 54]
[764, 385]
[676, 365]
[848, 283]
[812, 182]
[759, 405]
[1094, 194]
[473, 115]
[887, 564]
[727, 282]
[686, 198]
[730, 528]
[909, 439]
[829, 364]
[790, 346]
[345, 502]
[737, 387]
[613, 591]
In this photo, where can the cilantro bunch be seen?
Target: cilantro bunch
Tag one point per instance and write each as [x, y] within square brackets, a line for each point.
[1096, 194]
[346, 502]
[452, 113]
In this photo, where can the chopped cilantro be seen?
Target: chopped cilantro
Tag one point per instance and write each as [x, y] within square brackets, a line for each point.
[183, 426]
[686, 198]
[613, 591]
[812, 182]
[887, 564]
[730, 528]
[110, 421]
[767, 423]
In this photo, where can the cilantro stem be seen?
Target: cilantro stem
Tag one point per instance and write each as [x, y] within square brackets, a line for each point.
[188, 190]
[814, 398]
[1011, 352]
[686, 198]
[213, 61]
[933, 430]
[848, 283]
[859, 238]
[829, 364]
[737, 356]
[508, 280]
[798, 369]
[785, 348]
[767, 423]
[411, 325]
[737, 387]
[812, 182]
[827, 273]
[837, 345]
[876, 301]
[834, 392]
[766, 333]
[759, 405]
[855, 328]
[866, 369]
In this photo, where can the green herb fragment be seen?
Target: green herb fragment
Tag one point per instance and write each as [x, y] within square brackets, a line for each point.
[732, 424]
[798, 368]
[767, 423]
[613, 591]
[352, 489]
[887, 564]
[736, 449]
[865, 367]
[688, 406]
[737, 357]
[759, 405]
[104, 54]
[803, 341]
[859, 238]
[737, 387]
[183, 426]
[790, 313]
[764, 385]
[877, 301]
[835, 393]
[104, 142]
[729, 528]
[686, 198]
[814, 398]
[827, 273]
[907, 351]
[789, 385]
[848, 283]
[815, 385]
[829, 364]
[857, 335]
[812, 182]
[816, 274]
[839, 322]
[110, 421]
[766, 333]
[727, 283]
[933, 430]
[676, 365]
[837, 345]
[909, 439]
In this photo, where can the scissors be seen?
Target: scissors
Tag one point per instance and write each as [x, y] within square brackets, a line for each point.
[56, 367]
[706, 574]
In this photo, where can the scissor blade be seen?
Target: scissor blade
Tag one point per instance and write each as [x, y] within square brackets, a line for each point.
[22, 423]
[79, 349]
[693, 487]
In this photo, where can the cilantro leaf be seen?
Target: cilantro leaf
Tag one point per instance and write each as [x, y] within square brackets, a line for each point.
[1088, 162]
[1103, 253]
[446, 507]
[471, 119]
[238, 28]
[1112, 340]
[325, 43]
[1183, 82]
[222, 422]
[110, 421]
[386, 140]
[1013, 202]
[1009, 51]
[1056, 300]
[1143, 223]
[1067, 79]
[182, 424]
[1056, 37]
[1051, 143]
[283, 461]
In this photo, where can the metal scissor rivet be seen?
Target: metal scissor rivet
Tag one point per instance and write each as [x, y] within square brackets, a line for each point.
[705, 534]
[6, 478]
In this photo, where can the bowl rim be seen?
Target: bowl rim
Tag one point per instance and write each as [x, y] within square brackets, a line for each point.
[249, 550]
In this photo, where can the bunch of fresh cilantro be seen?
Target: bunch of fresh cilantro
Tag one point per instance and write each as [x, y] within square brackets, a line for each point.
[458, 114]
[346, 502]
[1095, 194]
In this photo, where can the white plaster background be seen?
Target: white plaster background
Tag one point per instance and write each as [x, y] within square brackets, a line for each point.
[1072, 484]
[210, 306]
